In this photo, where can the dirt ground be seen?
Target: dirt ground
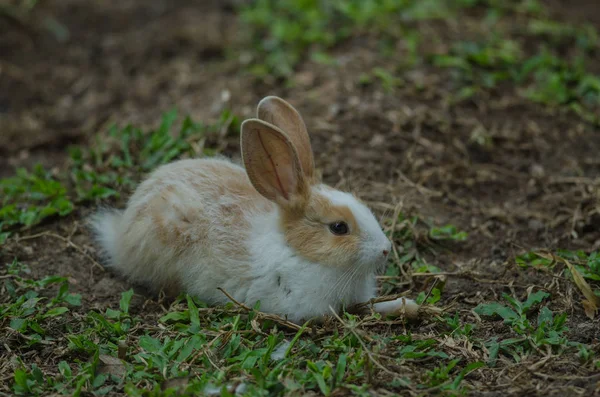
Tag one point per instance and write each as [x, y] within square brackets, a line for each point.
[535, 186]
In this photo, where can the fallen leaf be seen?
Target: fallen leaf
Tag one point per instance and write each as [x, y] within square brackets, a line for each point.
[591, 303]
[583, 286]
[590, 309]
[111, 365]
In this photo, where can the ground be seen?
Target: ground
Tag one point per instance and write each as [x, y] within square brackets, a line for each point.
[437, 134]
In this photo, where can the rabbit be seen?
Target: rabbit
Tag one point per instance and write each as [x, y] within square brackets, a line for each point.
[269, 231]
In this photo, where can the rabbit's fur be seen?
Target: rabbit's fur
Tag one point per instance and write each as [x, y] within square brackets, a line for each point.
[270, 232]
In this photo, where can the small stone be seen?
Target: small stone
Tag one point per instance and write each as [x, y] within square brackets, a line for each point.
[377, 140]
[225, 96]
[337, 138]
[536, 224]
[537, 171]
[333, 111]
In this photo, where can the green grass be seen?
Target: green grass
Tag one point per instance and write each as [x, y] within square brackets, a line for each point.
[110, 348]
[416, 241]
[587, 264]
[27, 310]
[286, 33]
[546, 77]
[30, 197]
[547, 330]
[107, 349]
[192, 348]
[112, 165]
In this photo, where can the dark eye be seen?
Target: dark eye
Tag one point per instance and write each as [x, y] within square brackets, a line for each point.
[340, 228]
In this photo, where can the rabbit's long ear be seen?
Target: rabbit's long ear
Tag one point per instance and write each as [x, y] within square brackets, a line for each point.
[272, 163]
[278, 112]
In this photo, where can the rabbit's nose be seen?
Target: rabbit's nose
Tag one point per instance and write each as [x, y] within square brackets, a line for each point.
[385, 252]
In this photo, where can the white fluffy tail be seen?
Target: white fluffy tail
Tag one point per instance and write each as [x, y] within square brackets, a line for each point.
[105, 225]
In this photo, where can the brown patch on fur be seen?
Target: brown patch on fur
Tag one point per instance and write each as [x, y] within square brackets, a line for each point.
[176, 226]
[308, 232]
[236, 184]
[232, 218]
[231, 214]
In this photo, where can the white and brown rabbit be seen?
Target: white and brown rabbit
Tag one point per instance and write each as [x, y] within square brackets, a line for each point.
[270, 232]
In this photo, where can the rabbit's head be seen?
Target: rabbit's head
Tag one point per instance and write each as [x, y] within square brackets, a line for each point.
[320, 223]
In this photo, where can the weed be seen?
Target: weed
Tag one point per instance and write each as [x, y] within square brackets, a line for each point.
[129, 152]
[548, 78]
[414, 239]
[447, 232]
[514, 314]
[191, 349]
[481, 64]
[283, 32]
[441, 378]
[585, 355]
[457, 328]
[102, 171]
[27, 312]
[547, 330]
[417, 349]
[30, 197]
[588, 265]
[585, 36]
[388, 80]
[433, 298]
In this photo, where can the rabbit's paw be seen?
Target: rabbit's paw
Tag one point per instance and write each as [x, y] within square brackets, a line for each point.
[401, 306]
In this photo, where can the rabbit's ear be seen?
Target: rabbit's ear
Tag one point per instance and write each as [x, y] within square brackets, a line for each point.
[272, 163]
[278, 112]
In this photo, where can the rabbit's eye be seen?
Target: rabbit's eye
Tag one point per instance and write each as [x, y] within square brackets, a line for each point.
[340, 228]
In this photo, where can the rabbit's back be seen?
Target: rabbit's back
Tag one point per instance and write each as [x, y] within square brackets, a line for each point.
[187, 220]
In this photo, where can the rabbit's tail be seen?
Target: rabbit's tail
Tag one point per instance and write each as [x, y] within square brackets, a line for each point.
[105, 225]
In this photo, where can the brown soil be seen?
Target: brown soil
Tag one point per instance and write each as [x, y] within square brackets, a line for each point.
[534, 186]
